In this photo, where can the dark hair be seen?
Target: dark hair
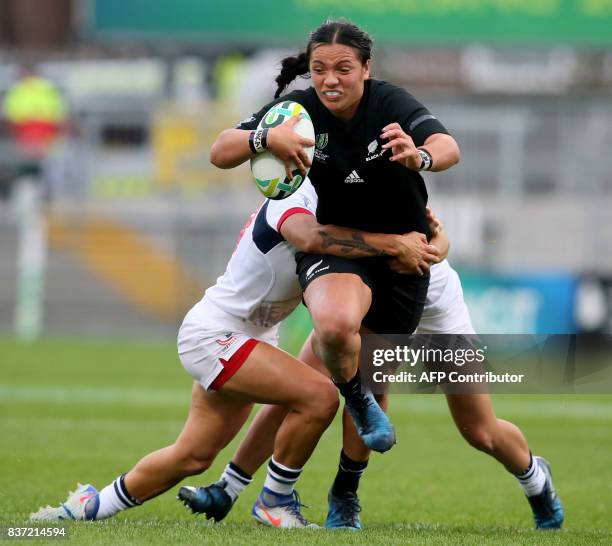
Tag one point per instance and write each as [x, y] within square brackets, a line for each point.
[331, 32]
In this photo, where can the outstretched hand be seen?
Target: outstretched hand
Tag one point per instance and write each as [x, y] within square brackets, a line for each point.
[402, 146]
[289, 146]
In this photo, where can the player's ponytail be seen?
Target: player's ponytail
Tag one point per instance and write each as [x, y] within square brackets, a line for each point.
[331, 32]
[292, 67]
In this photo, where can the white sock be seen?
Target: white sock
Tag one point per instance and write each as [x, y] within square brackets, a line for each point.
[281, 479]
[114, 498]
[533, 479]
[236, 479]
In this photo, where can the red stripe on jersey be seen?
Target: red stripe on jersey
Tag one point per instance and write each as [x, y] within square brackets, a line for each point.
[290, 212]
[246, 226]
[231, 366]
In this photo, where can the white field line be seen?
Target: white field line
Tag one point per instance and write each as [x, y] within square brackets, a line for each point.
[106, 425]
[562, 406]
[97, 395]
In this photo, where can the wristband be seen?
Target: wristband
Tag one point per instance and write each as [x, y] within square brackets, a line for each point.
[258, 141]
[426, 160]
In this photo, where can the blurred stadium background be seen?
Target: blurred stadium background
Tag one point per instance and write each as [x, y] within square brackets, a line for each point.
[116, 222]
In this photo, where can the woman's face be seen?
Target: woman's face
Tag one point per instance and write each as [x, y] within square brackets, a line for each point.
[338, 75]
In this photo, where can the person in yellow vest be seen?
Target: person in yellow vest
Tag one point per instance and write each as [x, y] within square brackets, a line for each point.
[36, 112]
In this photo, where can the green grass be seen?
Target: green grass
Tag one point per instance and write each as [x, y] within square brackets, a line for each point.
[78, 411]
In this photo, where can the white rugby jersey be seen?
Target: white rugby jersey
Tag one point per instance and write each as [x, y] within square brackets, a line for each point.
[260, 284]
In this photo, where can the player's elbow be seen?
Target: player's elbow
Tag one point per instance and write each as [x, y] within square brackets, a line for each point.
[221, 153]
[218, 157]
[307, 242]
[314, 241]
[456, 156]
[454, 152]
[302, 237]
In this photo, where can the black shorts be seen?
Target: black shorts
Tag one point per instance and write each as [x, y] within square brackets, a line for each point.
[397, 300]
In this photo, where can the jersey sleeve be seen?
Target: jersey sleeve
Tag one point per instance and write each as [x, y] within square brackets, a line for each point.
[252, 121]
[416, 120]
[303, 201]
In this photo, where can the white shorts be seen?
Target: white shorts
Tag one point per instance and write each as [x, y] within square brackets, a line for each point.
[448, 314]
[213, 344]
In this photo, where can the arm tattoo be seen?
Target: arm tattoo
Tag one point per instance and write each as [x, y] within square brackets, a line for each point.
[348, 246]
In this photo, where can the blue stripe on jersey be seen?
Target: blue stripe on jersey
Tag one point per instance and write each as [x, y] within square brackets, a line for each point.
[265, 237]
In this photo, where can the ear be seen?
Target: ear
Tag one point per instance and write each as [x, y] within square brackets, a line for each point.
[366, 69]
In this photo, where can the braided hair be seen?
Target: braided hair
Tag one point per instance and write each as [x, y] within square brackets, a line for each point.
[330, 32]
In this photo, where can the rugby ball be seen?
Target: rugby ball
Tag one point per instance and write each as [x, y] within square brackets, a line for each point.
[267, 169]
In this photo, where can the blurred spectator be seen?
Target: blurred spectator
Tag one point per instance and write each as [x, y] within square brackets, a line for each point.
[36, 112]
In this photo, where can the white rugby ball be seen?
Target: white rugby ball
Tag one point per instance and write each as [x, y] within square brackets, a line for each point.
[267, 169]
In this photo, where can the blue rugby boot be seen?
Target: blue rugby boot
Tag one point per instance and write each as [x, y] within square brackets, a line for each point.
[212, 501]
[546, 506]
[373, 425]
[82, 504]
[343, 512]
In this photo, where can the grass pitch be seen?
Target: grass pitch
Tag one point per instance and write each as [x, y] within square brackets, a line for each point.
[79, 411]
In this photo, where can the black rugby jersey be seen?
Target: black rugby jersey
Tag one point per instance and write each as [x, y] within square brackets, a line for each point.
[356, 184]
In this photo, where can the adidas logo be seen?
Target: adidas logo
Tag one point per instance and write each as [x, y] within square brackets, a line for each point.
[353, 178]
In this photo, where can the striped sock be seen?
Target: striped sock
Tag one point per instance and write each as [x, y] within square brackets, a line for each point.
[115, 498]
[236, 480]
[281, 479]
[533, 479]
[349, 473]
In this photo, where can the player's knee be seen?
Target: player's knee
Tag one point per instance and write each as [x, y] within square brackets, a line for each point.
[336, 330]
[322, 403]
[480, 438]
[329, 401]
[194, 463]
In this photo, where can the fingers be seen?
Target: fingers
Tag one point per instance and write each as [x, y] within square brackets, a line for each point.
[289, 147]
[393, 133]
[391, 126]
[396, 132]
[288, 170]
[399, 139]
[291, 123]
[401, 144]
[304, 158]
[300, 160]
[293, 120]
[432, 219]
[432, 258]
[431, 255]
[396, 142]
[300, 164]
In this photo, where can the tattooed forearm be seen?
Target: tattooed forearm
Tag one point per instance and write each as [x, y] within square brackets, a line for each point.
[350, 246]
